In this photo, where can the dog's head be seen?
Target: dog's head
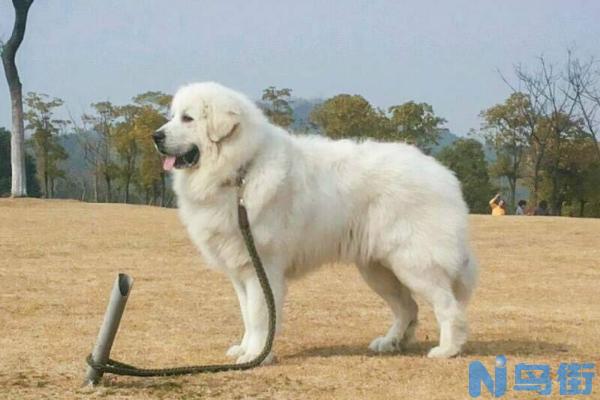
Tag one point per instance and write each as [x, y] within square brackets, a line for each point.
[207, 121]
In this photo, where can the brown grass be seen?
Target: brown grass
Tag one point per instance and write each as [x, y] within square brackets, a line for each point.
[537, 302]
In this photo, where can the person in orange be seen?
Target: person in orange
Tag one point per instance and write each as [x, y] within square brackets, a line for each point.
[498, 206]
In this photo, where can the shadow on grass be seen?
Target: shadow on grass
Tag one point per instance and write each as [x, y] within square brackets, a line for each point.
[514, 347]
[112, 383]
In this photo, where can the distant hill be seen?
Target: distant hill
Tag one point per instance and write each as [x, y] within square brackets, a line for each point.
[302, 109]
[447, 138]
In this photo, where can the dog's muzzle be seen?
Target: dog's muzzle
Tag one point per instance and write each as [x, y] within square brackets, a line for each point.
[187, 159]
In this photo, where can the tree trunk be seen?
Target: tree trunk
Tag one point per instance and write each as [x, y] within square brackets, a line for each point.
[108, 188]
[47, 193]
[17, 141]
[84, 190]
[581, 207]
[127, 183]
[153, 199]
[536, 182]
[512, 187]
[96, 186]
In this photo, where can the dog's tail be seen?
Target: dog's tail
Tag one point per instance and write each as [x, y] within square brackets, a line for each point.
[466, 281]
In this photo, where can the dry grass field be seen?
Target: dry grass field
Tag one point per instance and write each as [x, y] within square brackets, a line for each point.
[538, 301]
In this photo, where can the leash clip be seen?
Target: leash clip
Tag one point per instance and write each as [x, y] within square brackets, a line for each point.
[241, 183]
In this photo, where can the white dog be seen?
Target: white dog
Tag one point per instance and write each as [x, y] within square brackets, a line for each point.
[395, 213]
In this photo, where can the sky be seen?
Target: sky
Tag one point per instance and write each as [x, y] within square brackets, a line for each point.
[446, 53]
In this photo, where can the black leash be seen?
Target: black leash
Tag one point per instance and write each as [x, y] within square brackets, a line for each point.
[119, 368]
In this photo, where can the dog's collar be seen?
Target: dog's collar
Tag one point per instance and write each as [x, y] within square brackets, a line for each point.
[239, 182]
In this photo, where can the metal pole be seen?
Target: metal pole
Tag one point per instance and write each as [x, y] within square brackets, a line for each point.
[110, 325]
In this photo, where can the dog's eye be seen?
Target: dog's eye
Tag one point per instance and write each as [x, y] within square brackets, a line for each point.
[186, 118]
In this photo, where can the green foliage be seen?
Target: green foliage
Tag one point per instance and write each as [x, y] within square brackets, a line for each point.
[33, 187]
[158, 101]
[414, 123]
[466, 158]
[573, 175]
[550, 151]
[346, 116]
[151, 114]
[277, 106]
[48, 151]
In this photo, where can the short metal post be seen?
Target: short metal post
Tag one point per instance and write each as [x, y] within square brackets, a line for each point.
[110, 325]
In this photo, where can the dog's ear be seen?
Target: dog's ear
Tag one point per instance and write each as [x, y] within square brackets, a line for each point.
[222, 122]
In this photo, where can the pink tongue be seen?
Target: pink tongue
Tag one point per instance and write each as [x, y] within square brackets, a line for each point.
[168, 163]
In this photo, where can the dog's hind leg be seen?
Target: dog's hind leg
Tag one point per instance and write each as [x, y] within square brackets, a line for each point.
[398, 297]
[433, 283]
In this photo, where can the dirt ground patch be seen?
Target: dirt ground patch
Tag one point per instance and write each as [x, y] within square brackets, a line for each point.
[537, 302]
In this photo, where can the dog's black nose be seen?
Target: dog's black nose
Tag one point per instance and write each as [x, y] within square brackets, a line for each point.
[158, 136]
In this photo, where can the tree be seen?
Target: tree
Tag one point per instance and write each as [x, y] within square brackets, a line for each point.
[277, 106]
[580, 175]
[8, 52]
[346, 116]
[414, 123]
[585, 81]
[152, 114]
[126, 145]
[506, 129]
[466, 158]
[100, 149]
[48, 151]
[33, 188]
[552, 105]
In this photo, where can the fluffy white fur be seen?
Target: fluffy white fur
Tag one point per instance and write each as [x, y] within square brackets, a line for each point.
[395, 213]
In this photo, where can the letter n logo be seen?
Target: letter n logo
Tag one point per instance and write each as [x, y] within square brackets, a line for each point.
[478, 375]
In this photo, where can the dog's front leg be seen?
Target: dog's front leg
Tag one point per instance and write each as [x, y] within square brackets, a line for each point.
[257, 317]
[238, 350]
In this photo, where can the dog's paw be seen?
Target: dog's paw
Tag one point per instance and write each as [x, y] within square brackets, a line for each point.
[235, 351]
[384, 344]
[251, 356]
[441, 352]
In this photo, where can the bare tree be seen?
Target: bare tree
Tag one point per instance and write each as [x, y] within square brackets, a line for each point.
[586, 94]
[550, 115]
[89, 147]
[8, 52]
[531, 111]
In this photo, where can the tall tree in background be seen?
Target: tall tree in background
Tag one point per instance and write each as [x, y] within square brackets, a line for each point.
[551, 111]
[8, 51]
[277, 107]
[559, 94]
[101, 150]
[127, 146]
[579, 172]
[506, 129]
[414, 123]
[45, 129]
[152, 114]
[466, 158]
[584, 78]
[346, 116]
